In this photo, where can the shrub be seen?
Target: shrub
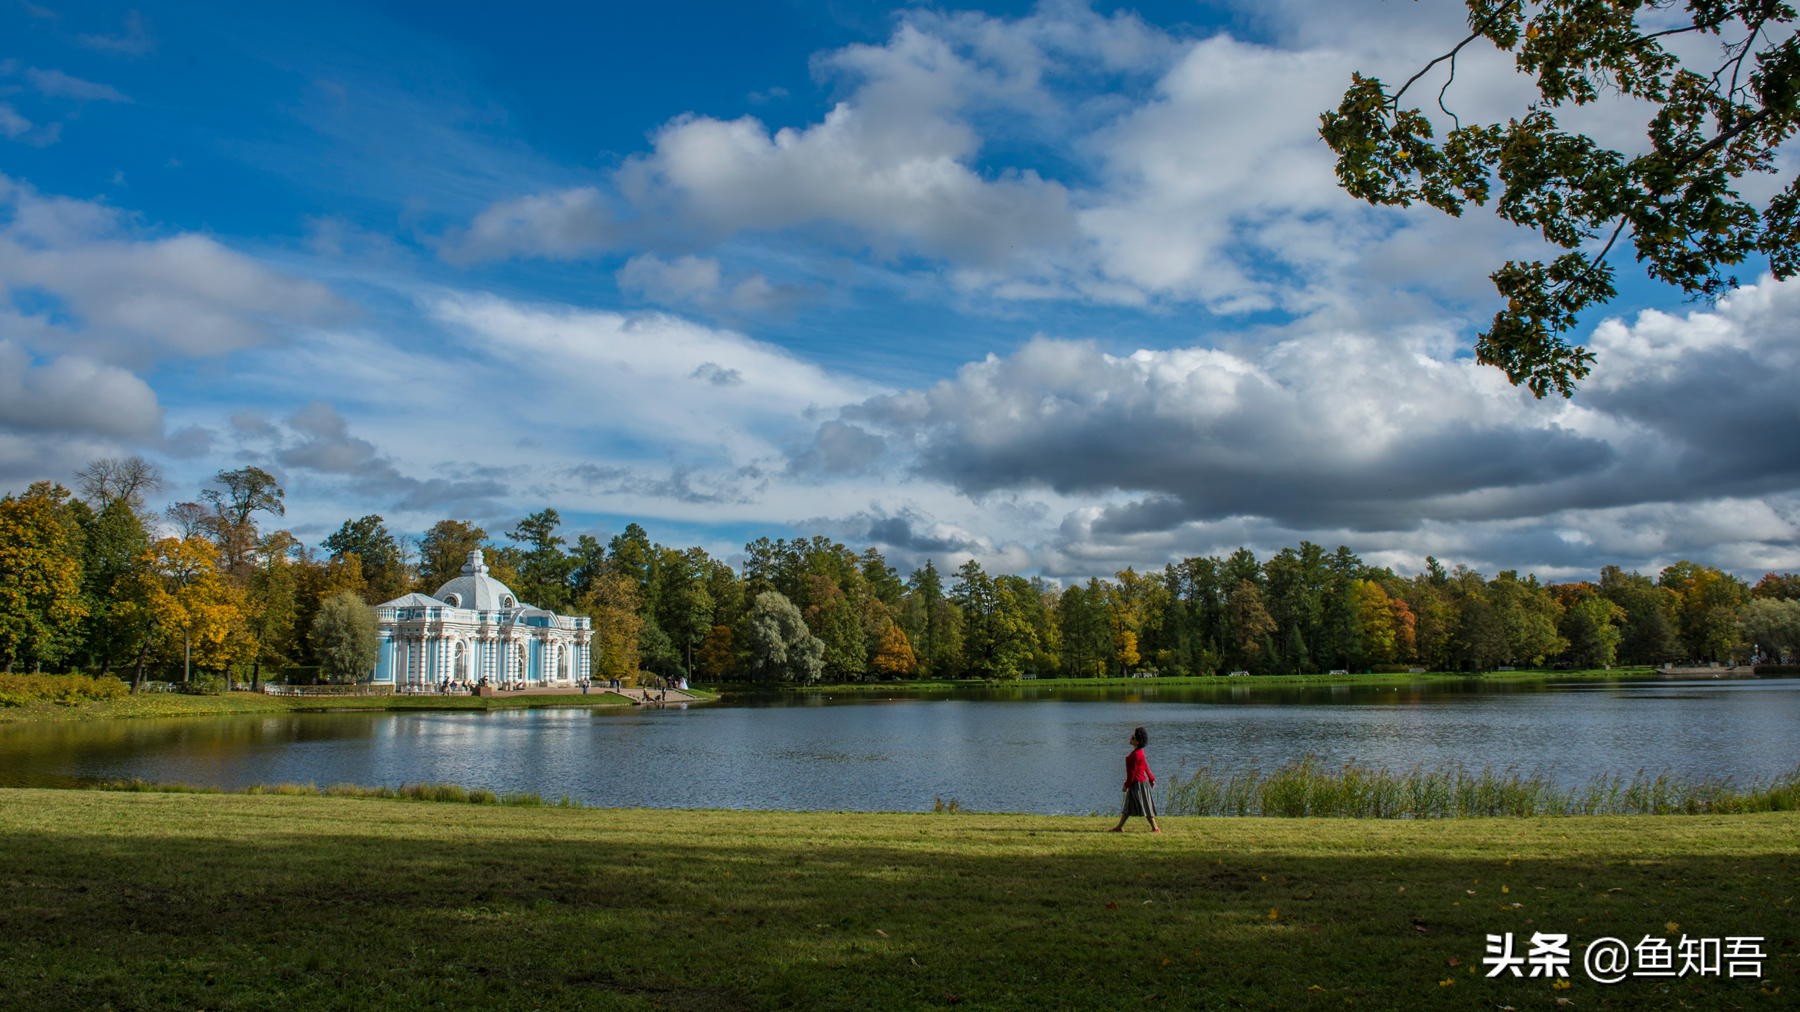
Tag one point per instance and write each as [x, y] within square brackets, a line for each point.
[18, 690]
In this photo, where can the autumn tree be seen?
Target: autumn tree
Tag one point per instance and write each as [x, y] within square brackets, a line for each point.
[1717, 113]
[274, 601]
[1251, 626]
[1708, 613]
[444, 550]
[612, 604]
[200, 616]
[895, 657]
[1782, 586]
[41, 605]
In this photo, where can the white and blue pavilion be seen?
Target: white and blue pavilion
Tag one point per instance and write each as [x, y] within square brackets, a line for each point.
[474, 628]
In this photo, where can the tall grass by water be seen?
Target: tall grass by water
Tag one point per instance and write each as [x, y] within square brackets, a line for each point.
[1307, 787]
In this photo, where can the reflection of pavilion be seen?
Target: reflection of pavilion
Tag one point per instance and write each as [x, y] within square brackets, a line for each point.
[474, 628]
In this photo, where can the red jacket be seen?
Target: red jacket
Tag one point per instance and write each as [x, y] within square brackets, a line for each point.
[1137, 769]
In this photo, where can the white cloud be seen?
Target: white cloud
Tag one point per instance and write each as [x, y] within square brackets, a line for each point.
[561, 225]
[12, 125]
[645, 377]
[134, 301]
[74, 394]
[56, 84]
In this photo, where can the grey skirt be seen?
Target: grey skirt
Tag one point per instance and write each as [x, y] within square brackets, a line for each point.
[1139, 800]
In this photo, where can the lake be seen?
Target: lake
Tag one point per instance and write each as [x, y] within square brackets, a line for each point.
[1032, 749]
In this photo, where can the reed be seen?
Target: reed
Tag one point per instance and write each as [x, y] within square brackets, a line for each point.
[1307, 787]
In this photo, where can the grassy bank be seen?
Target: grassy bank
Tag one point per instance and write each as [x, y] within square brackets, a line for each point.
[173, 704]
[231, 901]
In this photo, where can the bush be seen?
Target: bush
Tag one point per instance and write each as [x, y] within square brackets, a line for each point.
[18, 690]
[203, 685]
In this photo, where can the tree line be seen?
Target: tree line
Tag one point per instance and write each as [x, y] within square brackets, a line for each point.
[91, 580]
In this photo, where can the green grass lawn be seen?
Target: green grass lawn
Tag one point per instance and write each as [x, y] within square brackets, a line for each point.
[232, 901]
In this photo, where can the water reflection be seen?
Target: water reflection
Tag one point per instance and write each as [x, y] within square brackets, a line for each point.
[1043, 749]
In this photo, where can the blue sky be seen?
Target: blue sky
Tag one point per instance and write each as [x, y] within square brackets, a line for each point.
[1060, 287]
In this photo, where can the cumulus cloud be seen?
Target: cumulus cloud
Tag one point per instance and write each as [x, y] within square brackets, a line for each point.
[1683, 440]
[1192, 174]
[74, 394]
[561, 225]
[133, 301]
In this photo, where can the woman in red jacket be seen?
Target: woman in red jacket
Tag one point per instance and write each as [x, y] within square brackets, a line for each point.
[1138, 781]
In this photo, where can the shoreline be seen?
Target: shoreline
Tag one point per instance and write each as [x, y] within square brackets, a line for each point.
[152, 705]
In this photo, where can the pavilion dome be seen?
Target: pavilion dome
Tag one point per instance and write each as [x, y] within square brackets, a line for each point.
[476, 590]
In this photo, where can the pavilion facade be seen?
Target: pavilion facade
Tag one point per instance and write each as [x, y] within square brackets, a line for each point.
[472, 629]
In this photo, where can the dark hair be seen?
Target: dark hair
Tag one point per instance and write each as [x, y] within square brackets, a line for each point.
[1140, 737]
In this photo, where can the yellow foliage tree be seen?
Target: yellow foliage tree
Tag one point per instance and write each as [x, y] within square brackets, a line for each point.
[895, 657]
[40, 576]
[201, 617]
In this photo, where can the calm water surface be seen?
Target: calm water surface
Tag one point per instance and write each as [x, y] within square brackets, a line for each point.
[1036, 750]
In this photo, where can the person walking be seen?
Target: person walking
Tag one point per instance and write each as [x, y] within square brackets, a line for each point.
[1138, 782]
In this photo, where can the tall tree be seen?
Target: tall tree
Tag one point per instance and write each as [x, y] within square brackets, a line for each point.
[119, 479]
[274, 600]
[1527, 616]
[1782, 586]
[1708, 613]
[1590, 624]
[200, 615]
[683, 604]
[1716, 114]
[236, 497]
[383, 566]
[1772, 625]
[114, 543]
[344, 638]
[781, 647]
[41, 604]
[973, 594]
[613, 607]
[1648, 631]
[444, 550]
[1251, 627]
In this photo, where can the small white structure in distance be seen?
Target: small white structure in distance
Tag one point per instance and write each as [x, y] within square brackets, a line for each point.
[474, 628]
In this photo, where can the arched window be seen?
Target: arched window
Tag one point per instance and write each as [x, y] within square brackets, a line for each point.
[453, 600]
[506, 601]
